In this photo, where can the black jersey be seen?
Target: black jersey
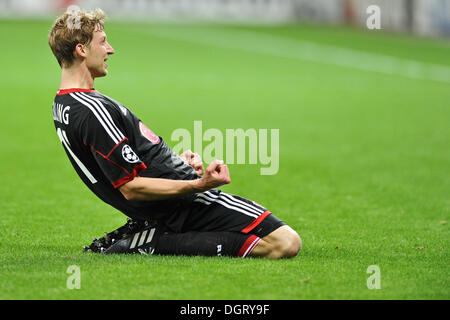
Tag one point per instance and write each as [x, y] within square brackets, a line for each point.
[109, 146]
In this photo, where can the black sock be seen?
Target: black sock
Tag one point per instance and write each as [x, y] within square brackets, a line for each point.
[194, 243]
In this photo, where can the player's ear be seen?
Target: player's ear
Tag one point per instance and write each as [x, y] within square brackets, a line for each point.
[80, 50]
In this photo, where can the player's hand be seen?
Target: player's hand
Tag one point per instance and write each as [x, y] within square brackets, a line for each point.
[186, 156]
[194, 160]
[216, 175]
[197, 164]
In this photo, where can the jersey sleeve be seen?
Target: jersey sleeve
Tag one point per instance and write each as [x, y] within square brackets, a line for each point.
[106, 137]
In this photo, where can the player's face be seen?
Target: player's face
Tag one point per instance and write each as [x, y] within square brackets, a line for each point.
[97, 53]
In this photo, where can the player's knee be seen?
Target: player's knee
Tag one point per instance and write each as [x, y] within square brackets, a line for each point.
[287, 247]
[292, 246]
[284, 242]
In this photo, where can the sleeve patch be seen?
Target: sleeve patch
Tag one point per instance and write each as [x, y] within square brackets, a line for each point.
[129, 155]
[147, 133]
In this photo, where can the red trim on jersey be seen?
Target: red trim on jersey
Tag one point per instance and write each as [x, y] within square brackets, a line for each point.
[137, 169]
[116, 146]
[60, 92]
[255, 222]
[248, 246]
[107, 157]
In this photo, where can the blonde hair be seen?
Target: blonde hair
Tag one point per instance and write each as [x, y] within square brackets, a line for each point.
[72, 28]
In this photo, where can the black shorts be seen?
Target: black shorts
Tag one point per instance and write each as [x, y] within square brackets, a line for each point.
[215, 210]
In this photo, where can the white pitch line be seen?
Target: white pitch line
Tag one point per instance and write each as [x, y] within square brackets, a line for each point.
[260, 43]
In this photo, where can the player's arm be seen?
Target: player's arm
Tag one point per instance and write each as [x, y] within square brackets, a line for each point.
[145, 189]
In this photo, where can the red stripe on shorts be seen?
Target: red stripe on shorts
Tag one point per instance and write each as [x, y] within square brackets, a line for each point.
[257, 221]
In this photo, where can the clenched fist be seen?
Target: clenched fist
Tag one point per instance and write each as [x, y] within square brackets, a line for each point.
[194, 160]
[216, 175]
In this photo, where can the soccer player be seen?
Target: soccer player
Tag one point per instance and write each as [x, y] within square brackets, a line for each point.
[172, 201]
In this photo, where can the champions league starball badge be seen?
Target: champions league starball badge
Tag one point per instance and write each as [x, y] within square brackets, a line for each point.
[129, 155]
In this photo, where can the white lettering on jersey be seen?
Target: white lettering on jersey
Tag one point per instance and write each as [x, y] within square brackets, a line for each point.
[61, 113]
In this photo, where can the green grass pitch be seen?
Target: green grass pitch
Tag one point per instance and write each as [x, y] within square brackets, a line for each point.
[363, 175]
